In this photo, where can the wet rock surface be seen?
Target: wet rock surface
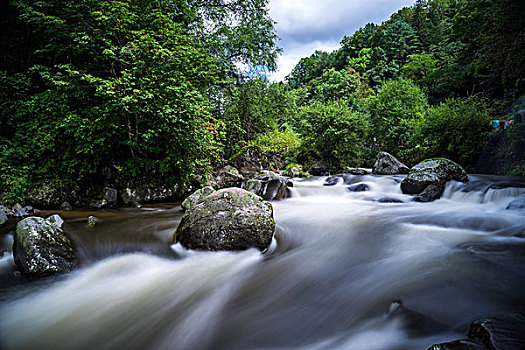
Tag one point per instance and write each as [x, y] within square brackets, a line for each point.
[196, 197]
[41, 248]
[228, 219]
[517, 204]
[387, 164]
[359, 187]
[495, 333]
[270, 186]
[435, 173]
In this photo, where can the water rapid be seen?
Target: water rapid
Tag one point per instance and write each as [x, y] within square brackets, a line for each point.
[347, 270]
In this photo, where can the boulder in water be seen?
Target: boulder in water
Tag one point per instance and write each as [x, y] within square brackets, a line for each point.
[196, 197]
[518, 203]
[333, 180]
[93, 221]
[429, 194]
[360, 187]
[228, 219]
[270, 186]
[435, 172]
[387, 164]
[355, 171]
[52, 193]
[41, 248]
[65, 206]
[320, 168]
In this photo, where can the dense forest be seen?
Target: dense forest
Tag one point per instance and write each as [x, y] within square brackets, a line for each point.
[167, 92]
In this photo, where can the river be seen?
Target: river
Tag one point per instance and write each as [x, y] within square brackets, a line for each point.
[346, 270]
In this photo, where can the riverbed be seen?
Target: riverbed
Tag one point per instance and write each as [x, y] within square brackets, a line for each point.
[346, 270]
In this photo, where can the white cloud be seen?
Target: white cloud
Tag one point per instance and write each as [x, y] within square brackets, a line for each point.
[308, 25]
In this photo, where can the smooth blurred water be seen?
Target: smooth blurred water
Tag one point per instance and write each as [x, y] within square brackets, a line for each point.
[339, 260]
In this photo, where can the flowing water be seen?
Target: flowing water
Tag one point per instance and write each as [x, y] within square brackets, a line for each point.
[347, 270]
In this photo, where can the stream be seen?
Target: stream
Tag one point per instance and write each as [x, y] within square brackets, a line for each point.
[346, 270]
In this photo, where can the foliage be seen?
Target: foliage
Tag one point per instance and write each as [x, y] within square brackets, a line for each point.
[394, 111]
[456, 129]
[131, 85]
[254, 107]
[284, 144]
[332, 131]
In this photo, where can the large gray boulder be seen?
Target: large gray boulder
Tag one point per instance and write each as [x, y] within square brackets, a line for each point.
[433, 173]
[227, 176]
[228, 219]
[270, 186]
[387, 164]
[41, 248]
[52, 193]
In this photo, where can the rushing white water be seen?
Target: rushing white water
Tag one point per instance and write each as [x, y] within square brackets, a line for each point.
[339, 261]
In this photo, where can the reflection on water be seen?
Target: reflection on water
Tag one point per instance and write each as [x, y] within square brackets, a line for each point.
[340, 261]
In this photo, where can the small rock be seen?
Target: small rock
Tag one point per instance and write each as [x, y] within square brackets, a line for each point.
[333, 180]
[93, 221]
[504, 332]
[20, 212]
[111, 196]
[355, 171]
[65, 206]
[389, 200]
[56, 220]
[358, 188]
[387, 164]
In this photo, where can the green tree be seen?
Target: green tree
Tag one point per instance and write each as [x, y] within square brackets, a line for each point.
[332, 131]
[133, 85]
[456, 129]
[394, 110]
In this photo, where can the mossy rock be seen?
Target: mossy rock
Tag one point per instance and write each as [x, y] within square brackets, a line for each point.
[228, 219]
[41, 248]
[432, 172]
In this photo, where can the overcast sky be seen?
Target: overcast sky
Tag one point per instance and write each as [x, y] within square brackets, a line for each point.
[308, 25]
